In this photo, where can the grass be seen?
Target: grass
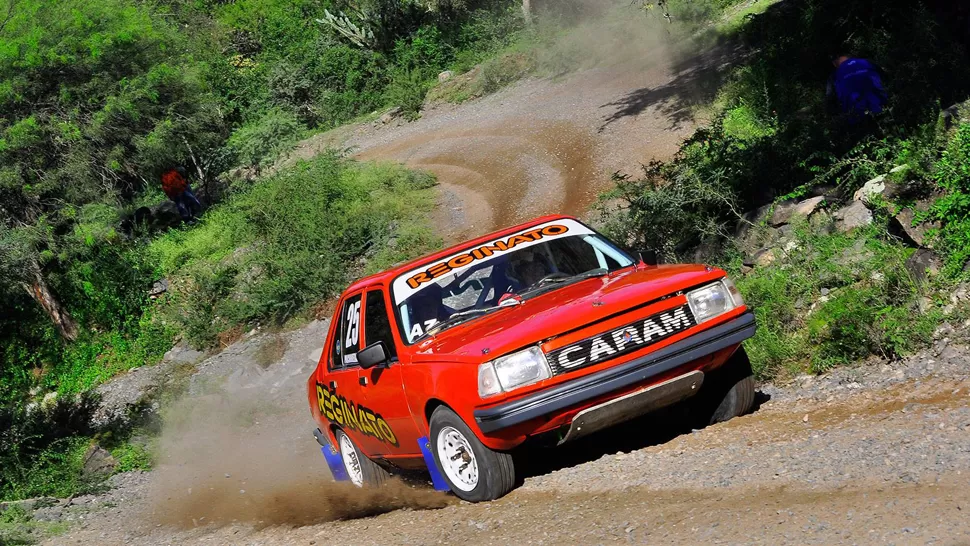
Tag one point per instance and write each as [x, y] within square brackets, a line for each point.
[18, 527]
[834, 299]
[279, 246]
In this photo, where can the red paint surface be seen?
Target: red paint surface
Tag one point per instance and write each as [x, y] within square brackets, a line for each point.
[444, 368]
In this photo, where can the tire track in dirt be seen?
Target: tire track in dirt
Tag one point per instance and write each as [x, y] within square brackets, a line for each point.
[507, 172]
[547, 146]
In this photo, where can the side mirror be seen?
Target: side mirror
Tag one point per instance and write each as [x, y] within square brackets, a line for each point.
[372, 355]
[650, 257]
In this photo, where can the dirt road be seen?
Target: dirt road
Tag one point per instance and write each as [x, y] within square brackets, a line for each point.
[878, 454]
[547, 146]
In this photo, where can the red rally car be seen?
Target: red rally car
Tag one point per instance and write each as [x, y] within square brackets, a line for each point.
[546, 329]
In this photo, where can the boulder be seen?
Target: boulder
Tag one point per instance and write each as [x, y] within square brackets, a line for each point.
[916, 233]
[787, 211]
[955, 115]
[870, 189]
[854, 216]
[923, 264]
[98, 463]
[961, 295]
[390, 115]
[158, 288]
[183, 354]
[165, 215]
[445, 76]
[879, 189]
[762, 258]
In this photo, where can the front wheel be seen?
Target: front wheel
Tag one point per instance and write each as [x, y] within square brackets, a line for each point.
[728, 391]
[360, 469]
[474, 472]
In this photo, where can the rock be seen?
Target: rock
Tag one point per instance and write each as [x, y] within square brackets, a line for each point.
[899, 168]
[853, 257]
[786, 212]
[871, 189]
[782, 213]
[961, 295]
[853, 216]
[159, 288]
[50, 399]
[98, 463]
[955, 115]
[916, 233]
[763, 257]
[165, 215]
[923, 264]
[390, 115]
[808, 207]
[445, 76]
[183, 354]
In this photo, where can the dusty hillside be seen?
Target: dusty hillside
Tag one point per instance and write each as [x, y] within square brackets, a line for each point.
[547, 145]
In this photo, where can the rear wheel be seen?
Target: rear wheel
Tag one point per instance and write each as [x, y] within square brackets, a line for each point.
[473, 471]
[360, 469]
[728, 391]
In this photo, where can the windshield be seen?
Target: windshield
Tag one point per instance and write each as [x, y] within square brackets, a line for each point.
[475, 281]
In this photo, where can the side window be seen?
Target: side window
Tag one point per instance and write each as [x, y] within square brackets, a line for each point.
[347, 334]
[377, 325]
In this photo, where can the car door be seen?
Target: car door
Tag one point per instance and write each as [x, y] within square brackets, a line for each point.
[343, 395]
[383, 386]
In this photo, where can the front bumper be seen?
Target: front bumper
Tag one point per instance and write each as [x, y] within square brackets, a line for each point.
[573, 393]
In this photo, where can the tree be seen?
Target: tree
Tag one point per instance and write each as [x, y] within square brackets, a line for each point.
[95, 99]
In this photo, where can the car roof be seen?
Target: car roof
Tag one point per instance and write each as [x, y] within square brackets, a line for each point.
[385, 277]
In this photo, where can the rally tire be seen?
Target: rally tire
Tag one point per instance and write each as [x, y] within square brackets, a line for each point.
[495, 469]
[736, 402]
[728, 391]
[368, 473]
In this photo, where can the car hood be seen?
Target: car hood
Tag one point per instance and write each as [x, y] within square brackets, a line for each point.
[559, 311]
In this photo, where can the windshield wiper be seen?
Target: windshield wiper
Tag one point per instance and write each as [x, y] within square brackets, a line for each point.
[455, 319]
[571, 278]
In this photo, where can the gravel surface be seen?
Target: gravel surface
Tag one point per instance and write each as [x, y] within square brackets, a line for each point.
[874, 454]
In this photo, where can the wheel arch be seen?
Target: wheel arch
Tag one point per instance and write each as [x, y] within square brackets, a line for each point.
[430, 406]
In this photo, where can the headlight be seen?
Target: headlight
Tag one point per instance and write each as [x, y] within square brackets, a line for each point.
[714, 300]
[512, 371]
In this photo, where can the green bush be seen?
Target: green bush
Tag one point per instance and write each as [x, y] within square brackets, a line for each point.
[53, 472]
[132, 456]
[288, 242]
[407, 90]
[952, 173]
[833, 300]
[261, 143]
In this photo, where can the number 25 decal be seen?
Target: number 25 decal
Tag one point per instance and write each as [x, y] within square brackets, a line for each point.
[353, 325]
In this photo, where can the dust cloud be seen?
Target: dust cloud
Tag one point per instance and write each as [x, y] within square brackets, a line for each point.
[246, 455]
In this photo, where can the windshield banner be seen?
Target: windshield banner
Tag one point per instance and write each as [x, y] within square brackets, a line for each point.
[413, 281]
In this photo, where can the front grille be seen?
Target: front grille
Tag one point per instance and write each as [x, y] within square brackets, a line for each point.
[623, 340]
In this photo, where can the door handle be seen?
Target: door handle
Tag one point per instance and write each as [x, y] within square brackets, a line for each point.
[362, 381]
[333, 384]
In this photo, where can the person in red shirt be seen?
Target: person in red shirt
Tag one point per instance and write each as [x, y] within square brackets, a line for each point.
[176, 187]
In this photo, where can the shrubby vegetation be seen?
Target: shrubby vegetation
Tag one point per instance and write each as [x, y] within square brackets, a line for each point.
[773, 138]
[243, 264]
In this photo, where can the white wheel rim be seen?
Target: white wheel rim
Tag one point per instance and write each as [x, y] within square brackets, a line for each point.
[351, 463]
[457, 459]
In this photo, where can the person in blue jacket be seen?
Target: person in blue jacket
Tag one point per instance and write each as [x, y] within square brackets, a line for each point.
[857, 87]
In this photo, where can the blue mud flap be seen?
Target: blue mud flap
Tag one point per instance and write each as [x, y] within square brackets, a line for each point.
[436, 478]
[336, 463]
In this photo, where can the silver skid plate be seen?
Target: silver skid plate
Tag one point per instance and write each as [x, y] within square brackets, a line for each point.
[635, 404]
